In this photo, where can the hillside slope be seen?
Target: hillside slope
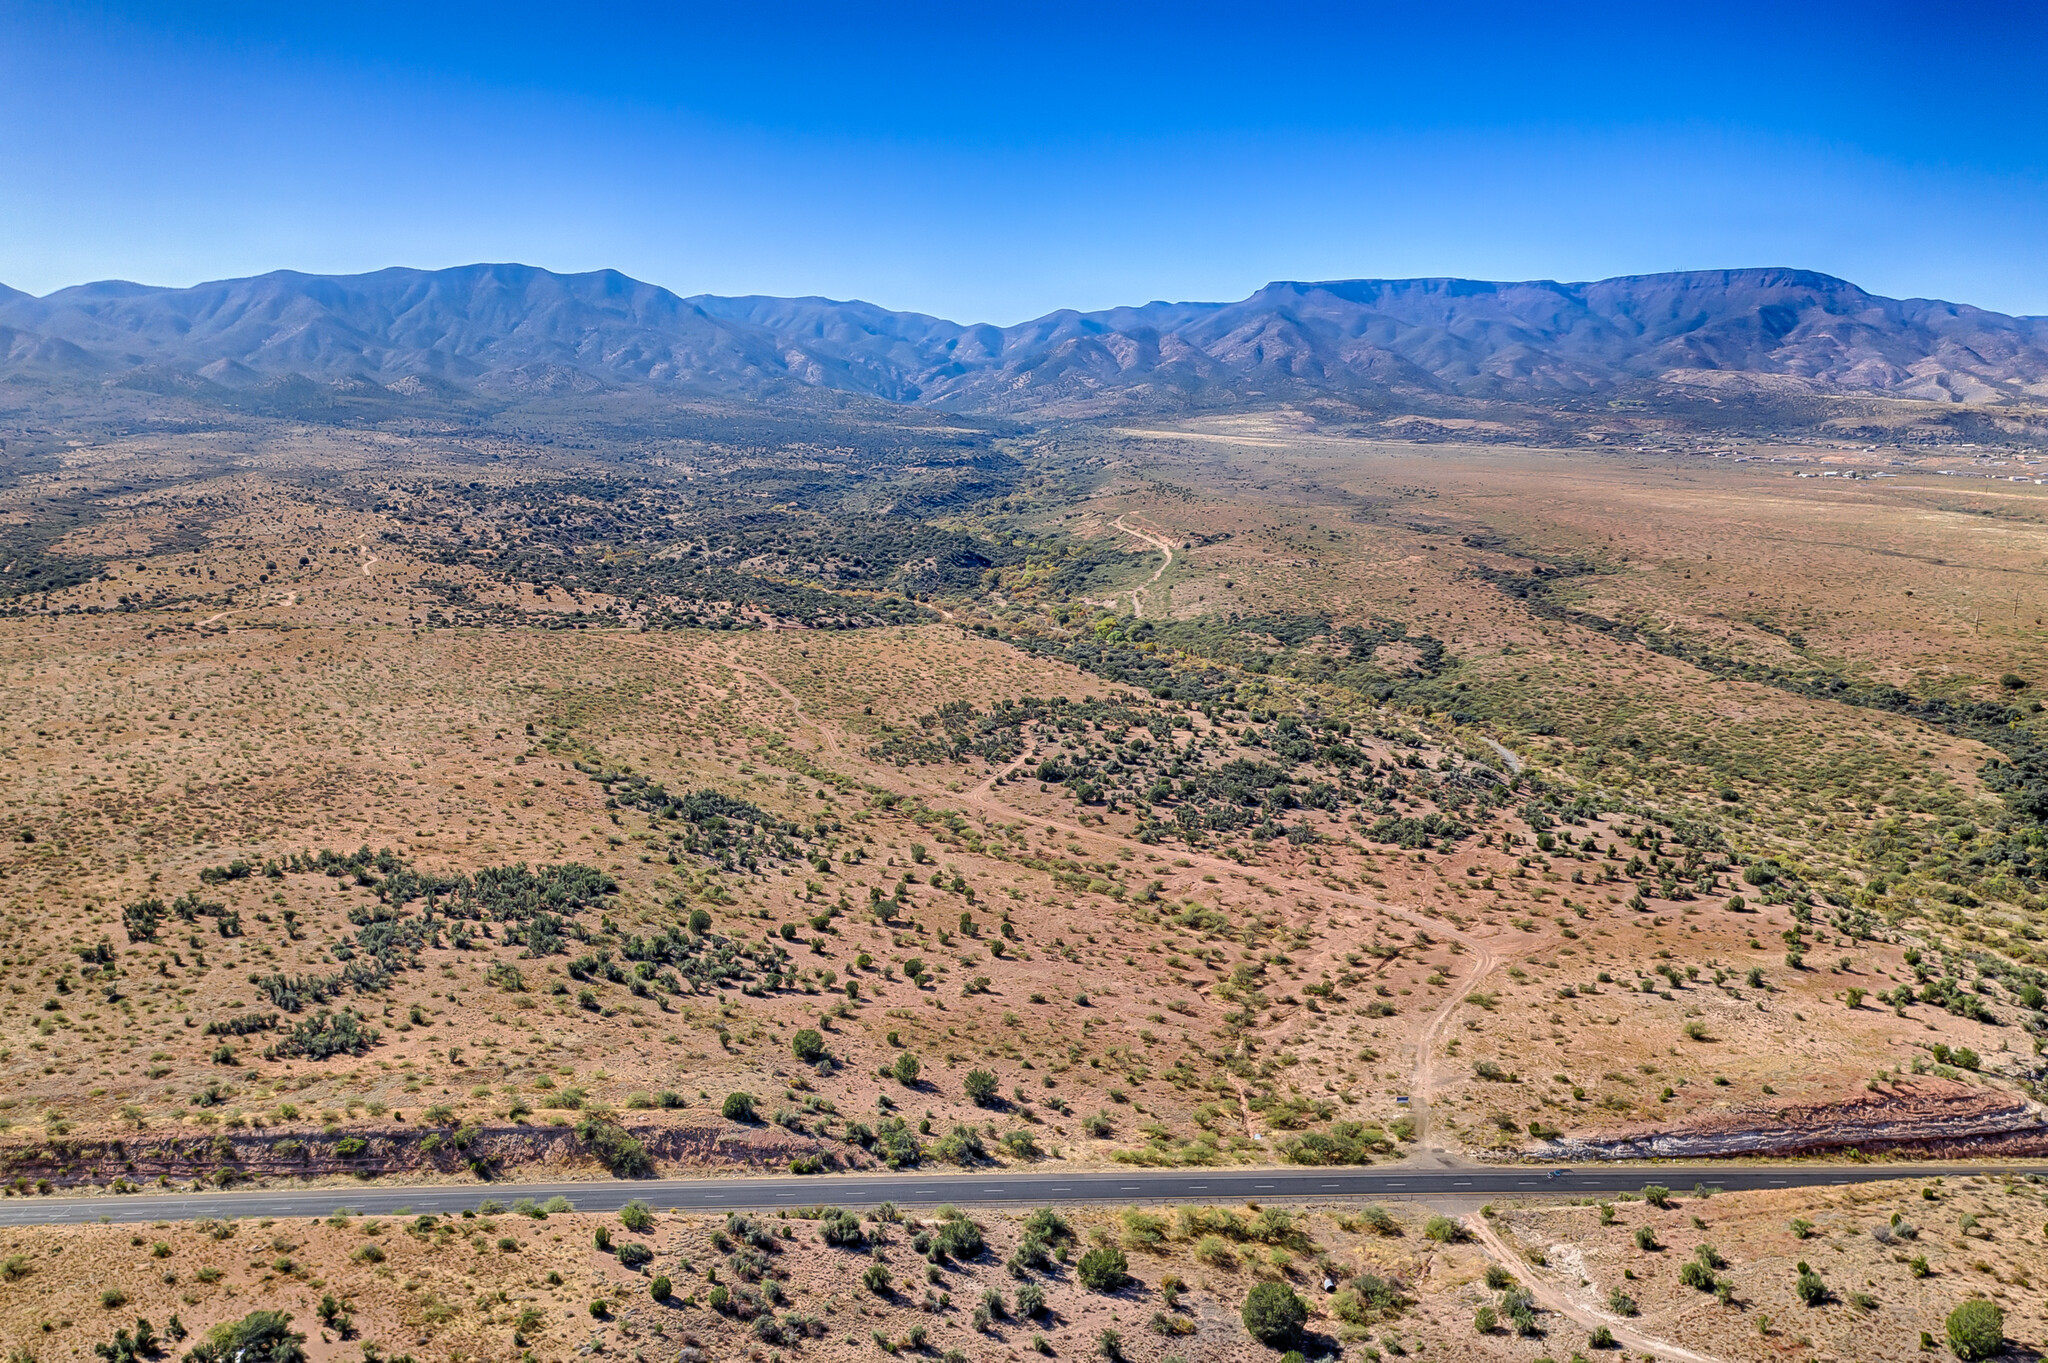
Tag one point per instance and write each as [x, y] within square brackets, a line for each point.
[514, 328]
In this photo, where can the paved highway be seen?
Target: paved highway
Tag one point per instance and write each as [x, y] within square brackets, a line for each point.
[1386, 1184]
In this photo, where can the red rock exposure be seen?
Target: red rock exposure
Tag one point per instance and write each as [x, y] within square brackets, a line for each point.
[1934, 1117]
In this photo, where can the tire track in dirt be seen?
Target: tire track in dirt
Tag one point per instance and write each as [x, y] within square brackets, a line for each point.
[1440, 1019]
[1552, 1297]
[1164, 546]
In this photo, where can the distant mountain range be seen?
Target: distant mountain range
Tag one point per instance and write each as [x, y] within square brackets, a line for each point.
[513, 329]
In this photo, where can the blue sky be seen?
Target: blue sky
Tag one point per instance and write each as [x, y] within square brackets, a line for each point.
[992, 163]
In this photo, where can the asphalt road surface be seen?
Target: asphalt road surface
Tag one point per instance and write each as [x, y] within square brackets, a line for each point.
[996, 1187]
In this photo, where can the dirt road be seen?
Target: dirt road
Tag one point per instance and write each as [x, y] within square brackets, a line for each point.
[1164, 546]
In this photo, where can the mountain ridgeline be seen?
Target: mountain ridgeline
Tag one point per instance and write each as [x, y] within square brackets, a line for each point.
[515, 330]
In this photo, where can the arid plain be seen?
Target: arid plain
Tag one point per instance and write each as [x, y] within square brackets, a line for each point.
[459, 810]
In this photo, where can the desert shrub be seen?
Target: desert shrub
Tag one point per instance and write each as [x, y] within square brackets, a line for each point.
[660, 1289]
[633, 1254]
[1657, 1195]
[1274, 1226]
[750, 1263]
[1368, 1298]
[958, 1237]
[875, 1278]
[897, 1144]
[325, 1034]
[141, 919]
[1044, 1229]
[1103, 1269]
[1518, 1304]
[1214, 1251]
[737, 1107]
[637, 1216]
[1144, 1230]
[843, 1229]
[1342, 1143]
[1030, 1300]
[808, 1045]
[1809, 1287]
[293, 992]
[980, 1086]
[614, 1148]
[1976, 1330]
[1196, 1221]
[749, 1231]
[144, 1343]
[1443, 1230]
[1048, 1225]
[1273, 1314]
[334, 1314]
[905, 1070]
[1485, 1321]
[961, 1145]
[241, 1024]
[1692, 1273]
[259, 1337]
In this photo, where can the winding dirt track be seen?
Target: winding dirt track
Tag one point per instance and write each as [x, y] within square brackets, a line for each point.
[1553, 1297]
[1164, 546]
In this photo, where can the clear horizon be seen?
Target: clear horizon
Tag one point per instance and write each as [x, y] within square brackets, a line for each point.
[999, 166]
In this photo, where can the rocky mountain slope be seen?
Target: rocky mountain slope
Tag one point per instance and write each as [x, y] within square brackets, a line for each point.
[514, 328]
